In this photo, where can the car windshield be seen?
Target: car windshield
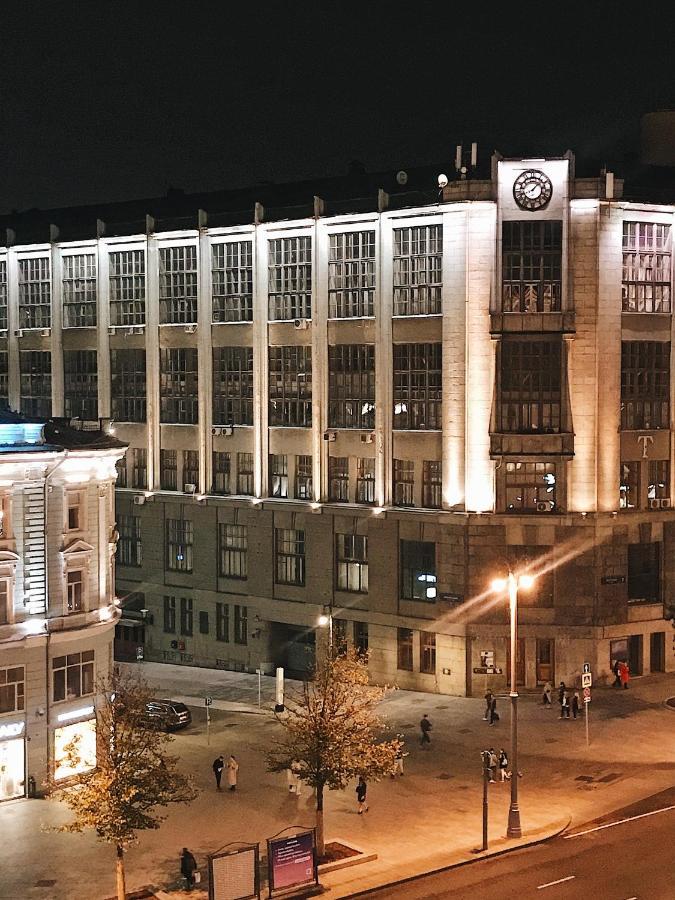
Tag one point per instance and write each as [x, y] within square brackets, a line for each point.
[179, 707]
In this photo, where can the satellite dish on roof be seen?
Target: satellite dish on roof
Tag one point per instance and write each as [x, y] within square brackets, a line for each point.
[402, 177]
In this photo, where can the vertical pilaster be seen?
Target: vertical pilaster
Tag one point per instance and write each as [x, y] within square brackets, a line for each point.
[152, 359]
[260, 359]
[454, 302]
[14, 376]
[319, 354]
[384, 305]
[56, 347]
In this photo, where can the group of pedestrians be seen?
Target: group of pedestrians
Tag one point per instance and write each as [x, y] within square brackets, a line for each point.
[494, 763]
[568, 700]
[232, 767]
[621, 674]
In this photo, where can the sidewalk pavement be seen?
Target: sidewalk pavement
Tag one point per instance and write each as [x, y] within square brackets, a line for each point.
[429, 819]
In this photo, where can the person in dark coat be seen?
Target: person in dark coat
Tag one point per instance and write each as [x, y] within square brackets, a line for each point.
[361, 791]
[494, 715]
[425, 728]
[488, 704]
[218, 766]
[616, 668]
[561, 692]
[188, 867]
[575, 704]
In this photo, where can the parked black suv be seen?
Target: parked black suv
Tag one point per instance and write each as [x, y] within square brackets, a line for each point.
[168, 714]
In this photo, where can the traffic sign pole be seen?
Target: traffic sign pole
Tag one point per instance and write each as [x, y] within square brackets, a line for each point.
[586, 704]
[207, 704]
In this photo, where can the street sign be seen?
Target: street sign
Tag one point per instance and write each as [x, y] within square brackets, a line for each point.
[139, 653]
[586, 680]
[587, 695]
[587, 668]
[208, 701]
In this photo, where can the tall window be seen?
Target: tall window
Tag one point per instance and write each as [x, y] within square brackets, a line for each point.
[531, 266]
[427, 652]
[417, 386]
[179, 543]
[530, 487]
[221, 472]
[12, 689]
[303, 478]
[645, 384]
[351, 386]
[432, 484]
[4, 378]
[186, 616]
[240, 624]
[169, 615]
[278, 468]
[659, 479]
[645, 280]
[418, 570]
[36, 383]
[365, 480]
[404, 482]
[530, 386]
[80, 384]
[128, 385]
[351, 274]
[404, 649]
[34, 293]
[191, 467]
[178, 284]
[74, 591]
[361, 637]
[232, 385]
[168, 470]
[3, 294]
[73, 675]
[290, 278]
[127, 287]
[232, 281]
[351, 554]
[290, 386]
[290, 556]
[245, 485]
[129, 548]
[233, 559]
[644, 572]
[338, 479]
[178, 385]
[139, 467]
[223, 622]
[418, 267]
[79, 291]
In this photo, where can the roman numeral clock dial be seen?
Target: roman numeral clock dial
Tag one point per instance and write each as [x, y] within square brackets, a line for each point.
[532, 190]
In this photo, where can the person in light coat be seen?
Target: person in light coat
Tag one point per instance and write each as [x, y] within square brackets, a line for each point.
[232, 770]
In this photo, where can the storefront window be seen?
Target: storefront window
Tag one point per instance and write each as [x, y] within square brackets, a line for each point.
[12, 767]
[73, 675]
[74, 749]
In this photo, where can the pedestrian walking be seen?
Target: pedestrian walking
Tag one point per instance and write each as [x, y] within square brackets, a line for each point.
[494, 715]
[493, 762]
[504, 765]
[565, 706]
[218, 766]
[188, 867]
[488, 704]
[624, 675]
[575, 704]
[400, 756]
[546, 696]
[425, 728]
[232, 770]
[561, 691]
[296, 769]
[616, 668]
[361, 791]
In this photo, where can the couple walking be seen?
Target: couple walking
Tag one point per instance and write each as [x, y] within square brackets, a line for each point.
[232, 770]
[491, 714]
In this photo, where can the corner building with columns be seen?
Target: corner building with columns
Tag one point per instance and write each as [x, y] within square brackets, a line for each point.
[371, 404]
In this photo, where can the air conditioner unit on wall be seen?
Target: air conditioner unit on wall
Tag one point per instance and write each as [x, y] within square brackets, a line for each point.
[190, 329]
[112, 330]
[302, 324]
[655, 504]
[220, 430]
[46, 332]
[329, 435]
[139, 499]
[665, 503]
[189, 488]
[543, 507]
[368, 438]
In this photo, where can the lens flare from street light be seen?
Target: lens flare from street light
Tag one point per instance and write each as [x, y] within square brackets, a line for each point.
[525, 581]
[499, 584]
[323, 620]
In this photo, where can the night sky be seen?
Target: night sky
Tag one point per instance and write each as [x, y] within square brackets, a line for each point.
[111, 101]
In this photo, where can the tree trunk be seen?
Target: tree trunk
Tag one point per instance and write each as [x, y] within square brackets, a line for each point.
[320, 842]
[119, 867]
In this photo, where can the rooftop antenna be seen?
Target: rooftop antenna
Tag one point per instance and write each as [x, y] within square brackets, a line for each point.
[466, 160]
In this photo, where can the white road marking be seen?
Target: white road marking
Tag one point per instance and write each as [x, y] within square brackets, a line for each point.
[559, 881]
[620, 822]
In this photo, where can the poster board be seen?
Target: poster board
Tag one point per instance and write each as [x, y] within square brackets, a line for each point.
[233, 874]
[292, 861]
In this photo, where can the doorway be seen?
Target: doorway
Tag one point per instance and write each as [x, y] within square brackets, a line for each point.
[635, 654]
[657, 652]
[545, 660]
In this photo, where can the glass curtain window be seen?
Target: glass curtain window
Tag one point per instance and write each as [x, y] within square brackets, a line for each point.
[232, 281]
[351, 274]
[79, 290]
[232, 385]
[646, 273]
[178, 285]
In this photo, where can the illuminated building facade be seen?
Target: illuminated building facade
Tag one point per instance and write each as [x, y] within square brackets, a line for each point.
[374, 405]
[57, 615]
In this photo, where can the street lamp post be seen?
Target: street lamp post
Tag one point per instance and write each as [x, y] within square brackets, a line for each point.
[326, 618]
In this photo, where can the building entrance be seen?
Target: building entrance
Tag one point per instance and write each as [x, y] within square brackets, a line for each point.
[12, 768]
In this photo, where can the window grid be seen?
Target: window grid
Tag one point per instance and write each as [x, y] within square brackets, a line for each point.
[351, 386]
[233, 557]
[223, 622]
[80, 384]
[128, 385]
[179, 544]
[129, 548]
[278, 475]
[531, 267]
[139, 467]
[290, 556]
[179, 385]
[221, 472]
[418, 262]
[404, 649]
[169, 615]
[427, 652]
[4, 378]
[404, 482]
[79, 291]
[417, 386]
[186, 616]
[659, 479]
[178, 285]
[73, 675]
[191, 467]
[351, 552]
[122, 474]
[168, 470]
[303, 478]
[418, 570]
[290, 386]
[365, 480]
[245, 485]
[338, 479]
[530, 486]
[351, 275]
[645, 280]
[361, 637]
[290, 278]
[232, 281]
[240, 624]
[36, 383]
[629, 485]
[232, 385]
[12, 689]
[35, 293]
[645, 384]
[127, 287]
[530, 386]
[3, 294]
[432, 484]
[74, 591]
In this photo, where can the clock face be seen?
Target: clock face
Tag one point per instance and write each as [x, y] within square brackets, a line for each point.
[532, 190]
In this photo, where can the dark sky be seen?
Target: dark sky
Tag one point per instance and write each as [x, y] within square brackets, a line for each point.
[114, 100]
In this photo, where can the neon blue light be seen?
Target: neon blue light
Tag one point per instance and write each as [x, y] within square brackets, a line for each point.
[20, 433]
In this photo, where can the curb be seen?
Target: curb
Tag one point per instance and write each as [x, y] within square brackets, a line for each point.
[559, 829]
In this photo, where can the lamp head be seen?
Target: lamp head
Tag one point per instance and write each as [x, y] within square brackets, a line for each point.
[323, 620]
[526, 581]
[499, 584]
